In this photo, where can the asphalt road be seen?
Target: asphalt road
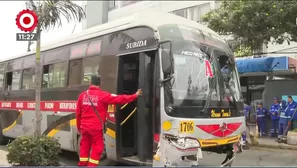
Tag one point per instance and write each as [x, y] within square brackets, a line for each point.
[251, 157]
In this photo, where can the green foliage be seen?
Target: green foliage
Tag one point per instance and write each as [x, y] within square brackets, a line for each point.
[255, 22]
[51, 12]
[34, 151]
[242, 51]
[294, 130]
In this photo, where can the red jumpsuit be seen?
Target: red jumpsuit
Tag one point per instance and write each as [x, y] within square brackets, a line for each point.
[89, 125]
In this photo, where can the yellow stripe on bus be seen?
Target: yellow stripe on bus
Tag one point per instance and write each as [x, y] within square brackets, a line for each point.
[54, 131]
[13, 124]
[110, 133]
[215, 142]
[73, 122]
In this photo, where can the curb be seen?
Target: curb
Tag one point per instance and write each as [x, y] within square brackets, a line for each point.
[280, 146]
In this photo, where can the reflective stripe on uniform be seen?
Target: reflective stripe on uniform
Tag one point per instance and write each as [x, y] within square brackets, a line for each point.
[260, 115]
[94, 161]
[284, 116]
[82, 159]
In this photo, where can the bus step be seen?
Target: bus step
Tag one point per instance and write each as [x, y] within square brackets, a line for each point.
[135, 159]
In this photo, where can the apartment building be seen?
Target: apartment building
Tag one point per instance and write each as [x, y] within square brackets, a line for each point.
[100, 12]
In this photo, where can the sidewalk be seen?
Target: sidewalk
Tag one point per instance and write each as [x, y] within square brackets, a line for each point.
[268, 142]
[3, 161]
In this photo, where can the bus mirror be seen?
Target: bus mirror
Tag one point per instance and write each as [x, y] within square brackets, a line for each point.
[166, 62]
[167, 57]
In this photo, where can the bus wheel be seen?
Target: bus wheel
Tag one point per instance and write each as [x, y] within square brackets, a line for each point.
[103, 155]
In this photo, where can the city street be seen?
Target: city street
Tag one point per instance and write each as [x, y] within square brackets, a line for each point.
[252, 157]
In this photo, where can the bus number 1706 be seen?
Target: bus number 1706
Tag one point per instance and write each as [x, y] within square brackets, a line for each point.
[186, 127]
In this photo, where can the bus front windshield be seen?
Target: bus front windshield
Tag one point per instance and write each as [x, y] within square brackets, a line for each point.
[204, 77]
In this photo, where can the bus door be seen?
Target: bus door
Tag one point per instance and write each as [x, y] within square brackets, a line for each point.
[135, 120]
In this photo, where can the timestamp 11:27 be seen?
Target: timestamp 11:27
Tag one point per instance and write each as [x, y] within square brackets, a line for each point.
[26, 37]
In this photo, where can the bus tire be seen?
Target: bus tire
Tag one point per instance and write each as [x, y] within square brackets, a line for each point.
[3, 139]
[103, 155]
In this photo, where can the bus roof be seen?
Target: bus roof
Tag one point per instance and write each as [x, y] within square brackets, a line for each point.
[134, 20]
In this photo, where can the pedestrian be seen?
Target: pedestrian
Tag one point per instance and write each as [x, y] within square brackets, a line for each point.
[261, 113]
[91, 111]
[273, 112]
[283, 121]
[292, 105]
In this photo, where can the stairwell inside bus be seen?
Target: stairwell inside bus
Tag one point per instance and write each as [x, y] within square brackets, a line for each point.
[128, 84]
[135, 120]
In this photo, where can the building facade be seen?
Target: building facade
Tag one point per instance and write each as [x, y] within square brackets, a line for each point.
[100, 12]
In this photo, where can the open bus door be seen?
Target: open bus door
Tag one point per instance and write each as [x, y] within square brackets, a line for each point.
[135, 121]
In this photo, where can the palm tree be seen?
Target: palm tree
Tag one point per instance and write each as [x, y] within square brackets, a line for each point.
[50, 14]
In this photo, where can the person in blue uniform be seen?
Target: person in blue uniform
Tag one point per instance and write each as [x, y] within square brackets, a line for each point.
[274, 110]
[283, 121]
[292, 105]
[261, 113]
[246, 111]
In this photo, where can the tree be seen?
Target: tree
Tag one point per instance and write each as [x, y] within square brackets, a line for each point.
[242, 51]
[255, 22]
[50, 14]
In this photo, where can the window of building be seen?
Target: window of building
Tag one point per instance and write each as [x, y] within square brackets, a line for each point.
[218, 4]
[54, 75]
[75, 73]
[90, 67]
[111, 5]
[28, 79]
[181, 12]
[2, 67]
[13, 80]
[194, 13]
[203, 9]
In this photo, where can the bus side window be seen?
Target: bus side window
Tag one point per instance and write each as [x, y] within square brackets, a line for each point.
[2, 76]
[45, 76]
[28, 78]
[90, 66]
[14, 78]
[54, 75]
[75, 72]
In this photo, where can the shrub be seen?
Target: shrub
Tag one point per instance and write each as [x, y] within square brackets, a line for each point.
[294, 130]
[34, 151]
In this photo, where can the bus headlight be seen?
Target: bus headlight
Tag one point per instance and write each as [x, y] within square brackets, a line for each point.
[185, 143]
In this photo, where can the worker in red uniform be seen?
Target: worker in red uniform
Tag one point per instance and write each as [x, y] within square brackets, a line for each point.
[91, 111]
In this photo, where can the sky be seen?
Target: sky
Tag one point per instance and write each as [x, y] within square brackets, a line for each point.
[8, 29]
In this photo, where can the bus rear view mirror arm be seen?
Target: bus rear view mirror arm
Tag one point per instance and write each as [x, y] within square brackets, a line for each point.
[167, 57]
